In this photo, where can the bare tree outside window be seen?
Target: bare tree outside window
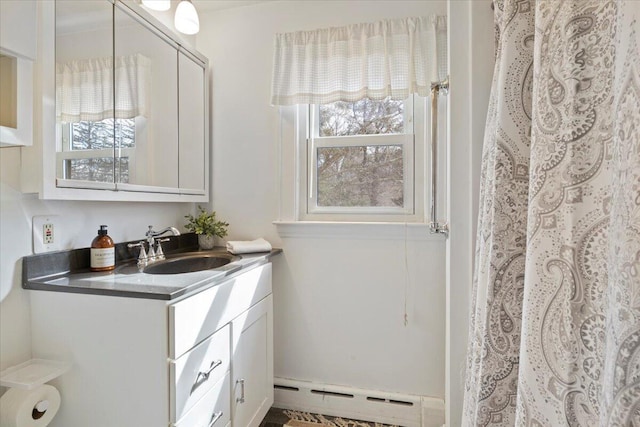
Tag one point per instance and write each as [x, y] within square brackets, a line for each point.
[360, 175]
[364, 117]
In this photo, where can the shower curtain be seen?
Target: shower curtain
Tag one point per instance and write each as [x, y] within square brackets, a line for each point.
[555, 319]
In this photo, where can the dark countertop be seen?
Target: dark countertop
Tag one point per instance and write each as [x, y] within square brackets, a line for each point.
[68, 271]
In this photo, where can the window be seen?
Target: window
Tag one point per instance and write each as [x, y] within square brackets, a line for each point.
[361, 162]
[356, 160]
[88, 150]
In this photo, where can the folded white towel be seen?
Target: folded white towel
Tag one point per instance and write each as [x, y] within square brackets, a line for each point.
[245, 247]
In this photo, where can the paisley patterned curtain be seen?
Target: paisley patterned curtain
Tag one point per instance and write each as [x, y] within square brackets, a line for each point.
[555, 323]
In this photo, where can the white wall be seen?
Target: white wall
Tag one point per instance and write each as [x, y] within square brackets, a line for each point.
[339, 301]
[471, 66]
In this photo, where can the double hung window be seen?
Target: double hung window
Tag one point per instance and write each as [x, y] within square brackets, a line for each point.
[361, 161]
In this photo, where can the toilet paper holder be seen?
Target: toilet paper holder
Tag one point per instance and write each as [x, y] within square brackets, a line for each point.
[33, 373]
[30, 402]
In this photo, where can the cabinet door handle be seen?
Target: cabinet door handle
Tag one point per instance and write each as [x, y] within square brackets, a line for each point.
[204, 376]
[214, 419]
[241, 398]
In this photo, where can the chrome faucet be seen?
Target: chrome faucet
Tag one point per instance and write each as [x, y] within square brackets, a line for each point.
[152, 254]
[151, 235]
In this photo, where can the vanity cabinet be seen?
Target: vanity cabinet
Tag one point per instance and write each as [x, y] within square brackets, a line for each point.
[124, 104]
[141, 362]
[252, 365]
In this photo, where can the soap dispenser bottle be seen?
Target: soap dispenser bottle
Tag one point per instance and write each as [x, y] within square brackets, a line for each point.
[103, 253]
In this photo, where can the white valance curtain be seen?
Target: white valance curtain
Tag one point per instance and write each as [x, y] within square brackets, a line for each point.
[376, 60]
[85, 88]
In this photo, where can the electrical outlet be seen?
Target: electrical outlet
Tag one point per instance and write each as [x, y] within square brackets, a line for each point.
[46, 233]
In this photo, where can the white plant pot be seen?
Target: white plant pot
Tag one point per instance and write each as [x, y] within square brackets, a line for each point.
[206, 242]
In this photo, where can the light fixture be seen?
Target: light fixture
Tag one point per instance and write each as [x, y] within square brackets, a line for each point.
[186, 19]
[157, 4]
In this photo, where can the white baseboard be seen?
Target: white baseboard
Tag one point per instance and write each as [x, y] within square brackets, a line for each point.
[369, 405]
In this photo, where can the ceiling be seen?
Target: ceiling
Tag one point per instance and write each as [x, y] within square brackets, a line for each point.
[204, 5]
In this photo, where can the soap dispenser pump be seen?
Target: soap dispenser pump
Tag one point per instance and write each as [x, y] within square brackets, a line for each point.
[103, 254]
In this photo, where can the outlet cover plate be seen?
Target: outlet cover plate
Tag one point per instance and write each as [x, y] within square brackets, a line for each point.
[46, 228]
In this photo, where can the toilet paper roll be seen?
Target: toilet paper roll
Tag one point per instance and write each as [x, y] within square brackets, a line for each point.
[29, 408]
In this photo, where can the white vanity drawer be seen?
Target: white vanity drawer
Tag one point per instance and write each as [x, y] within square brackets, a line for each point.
[197, 371]
[193, 319]
[213, 410]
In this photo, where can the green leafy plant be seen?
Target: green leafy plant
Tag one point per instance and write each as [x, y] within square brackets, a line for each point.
[206, 223]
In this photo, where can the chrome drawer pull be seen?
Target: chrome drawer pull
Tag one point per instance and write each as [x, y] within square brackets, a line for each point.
[213, 366]
[215, 418]
[204, 376]
[241, 398]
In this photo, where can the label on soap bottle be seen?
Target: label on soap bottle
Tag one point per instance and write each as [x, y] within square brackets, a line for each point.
[103, 257]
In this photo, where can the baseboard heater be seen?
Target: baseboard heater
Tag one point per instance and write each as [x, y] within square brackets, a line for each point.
[360, 404]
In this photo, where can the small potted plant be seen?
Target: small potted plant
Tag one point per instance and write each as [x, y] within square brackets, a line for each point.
[207, 227]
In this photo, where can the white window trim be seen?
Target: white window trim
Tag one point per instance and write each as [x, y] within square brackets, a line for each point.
[401, 231]
[406, 141]
[415, 167]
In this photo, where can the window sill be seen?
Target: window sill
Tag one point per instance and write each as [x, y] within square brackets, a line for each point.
[357, 230]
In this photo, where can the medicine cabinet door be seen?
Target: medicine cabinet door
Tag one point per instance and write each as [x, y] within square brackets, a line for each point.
[192, 110]
[84, 94]
[146, 106]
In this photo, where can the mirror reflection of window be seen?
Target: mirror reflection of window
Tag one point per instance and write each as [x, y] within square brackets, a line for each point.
[84, 107]
[90, 149]
[84, 99]
[101, 100]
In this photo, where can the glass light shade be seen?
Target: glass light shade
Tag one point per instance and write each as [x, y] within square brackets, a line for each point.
[186, 19]
[157, 4]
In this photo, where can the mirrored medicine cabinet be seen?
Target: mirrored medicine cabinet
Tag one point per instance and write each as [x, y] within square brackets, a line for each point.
[129, 106]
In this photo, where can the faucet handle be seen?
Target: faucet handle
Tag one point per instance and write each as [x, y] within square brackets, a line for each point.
[151, 253]
[142, 255]
[159, 253]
